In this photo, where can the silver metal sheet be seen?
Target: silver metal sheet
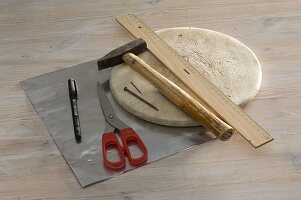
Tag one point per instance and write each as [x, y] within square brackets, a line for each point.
[49, 95]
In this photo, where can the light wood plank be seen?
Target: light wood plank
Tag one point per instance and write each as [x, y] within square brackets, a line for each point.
[41, 36]
[194, 80]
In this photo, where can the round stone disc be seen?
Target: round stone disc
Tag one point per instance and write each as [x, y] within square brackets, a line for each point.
[226, 62]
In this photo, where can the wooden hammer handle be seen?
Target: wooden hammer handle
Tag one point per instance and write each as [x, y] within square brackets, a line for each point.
[179, 97]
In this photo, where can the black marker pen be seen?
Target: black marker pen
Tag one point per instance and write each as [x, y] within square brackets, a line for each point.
[73, 100]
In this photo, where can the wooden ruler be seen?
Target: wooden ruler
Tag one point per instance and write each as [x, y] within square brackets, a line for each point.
[193, 79]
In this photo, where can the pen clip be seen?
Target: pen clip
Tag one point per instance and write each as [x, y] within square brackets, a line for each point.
[72, 88]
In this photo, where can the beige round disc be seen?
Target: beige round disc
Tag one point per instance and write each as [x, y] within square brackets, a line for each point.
[225, 61]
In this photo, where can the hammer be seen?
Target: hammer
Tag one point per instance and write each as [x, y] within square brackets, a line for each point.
[174, 93]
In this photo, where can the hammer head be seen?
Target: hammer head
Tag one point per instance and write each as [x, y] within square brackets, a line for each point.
[115, 57]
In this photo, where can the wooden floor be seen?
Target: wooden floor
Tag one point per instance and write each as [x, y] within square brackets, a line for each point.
[37, 37]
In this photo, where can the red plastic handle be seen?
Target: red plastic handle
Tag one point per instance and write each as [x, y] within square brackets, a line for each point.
[129, 135]
[110, 139]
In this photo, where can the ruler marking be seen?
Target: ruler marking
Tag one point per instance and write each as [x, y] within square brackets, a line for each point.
[153, 39]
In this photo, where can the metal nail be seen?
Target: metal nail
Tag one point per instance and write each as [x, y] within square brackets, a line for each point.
[140, 98]
[136, 87]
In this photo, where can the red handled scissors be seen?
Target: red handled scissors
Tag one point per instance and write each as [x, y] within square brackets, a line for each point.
[127, 134]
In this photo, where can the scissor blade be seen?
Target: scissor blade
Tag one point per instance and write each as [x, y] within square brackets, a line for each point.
[107, 108]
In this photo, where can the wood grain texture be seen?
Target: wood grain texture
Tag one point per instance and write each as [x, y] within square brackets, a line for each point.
[226, 62]
[42, 36]
[216, 100]
[179, 97]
